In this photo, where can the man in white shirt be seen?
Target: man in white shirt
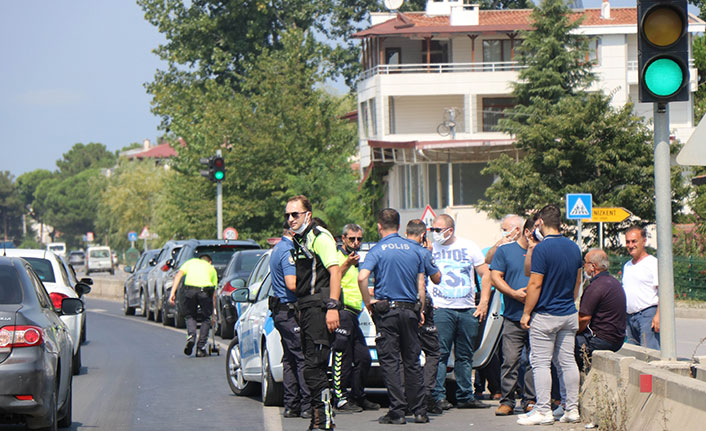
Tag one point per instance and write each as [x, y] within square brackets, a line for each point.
[641, 291]
[456, 314]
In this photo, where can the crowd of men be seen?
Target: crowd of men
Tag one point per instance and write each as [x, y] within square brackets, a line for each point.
[431, 293]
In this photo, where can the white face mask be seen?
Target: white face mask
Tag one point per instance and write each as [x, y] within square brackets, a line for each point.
[302, 228]
[438, 237]
[538, 234]
[505, 233]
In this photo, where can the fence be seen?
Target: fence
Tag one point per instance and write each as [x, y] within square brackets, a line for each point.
[689, 275]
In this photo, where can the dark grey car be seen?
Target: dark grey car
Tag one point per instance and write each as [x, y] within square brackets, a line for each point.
[163, 264]
[35, 350]
[135, 291]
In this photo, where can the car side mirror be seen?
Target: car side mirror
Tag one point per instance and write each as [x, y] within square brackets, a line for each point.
[82, 288]
[241, 294]
[86, 280]
[127, 269]
[71, 306]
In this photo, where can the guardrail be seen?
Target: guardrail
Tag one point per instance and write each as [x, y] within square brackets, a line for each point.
[498, 66]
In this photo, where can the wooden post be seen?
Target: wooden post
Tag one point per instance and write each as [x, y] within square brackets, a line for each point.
[473, 46]
[428, 39]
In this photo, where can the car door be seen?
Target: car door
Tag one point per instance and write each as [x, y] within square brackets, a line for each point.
[252, 323]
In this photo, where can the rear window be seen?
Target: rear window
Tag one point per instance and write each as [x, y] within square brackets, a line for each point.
[10, 290]
[78, 254]
[249, 260]
[219, 254]
[99, 253]
[43, 268]
[57, 248]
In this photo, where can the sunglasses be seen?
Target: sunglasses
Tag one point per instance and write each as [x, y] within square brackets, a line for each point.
[355, 238]
[437, 229]
[294, 215]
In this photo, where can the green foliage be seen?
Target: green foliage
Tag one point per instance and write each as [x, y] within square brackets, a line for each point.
[11, 208]
[82, 157]
[30, 242]
[698, 49]
[27, 184]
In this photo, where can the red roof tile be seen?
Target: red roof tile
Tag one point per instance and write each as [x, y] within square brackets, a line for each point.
[162, 151]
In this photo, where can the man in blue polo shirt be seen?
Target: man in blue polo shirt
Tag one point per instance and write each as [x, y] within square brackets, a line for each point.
[399, 285]
[551, 317]
[297, 401]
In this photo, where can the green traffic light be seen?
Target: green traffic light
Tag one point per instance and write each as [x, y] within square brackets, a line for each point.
[218, 175]
[664, 77]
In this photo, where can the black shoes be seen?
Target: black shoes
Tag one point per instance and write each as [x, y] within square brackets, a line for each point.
[393, 419]
[421, 419]
[348, 407]
[291, 413]
[473, 404]
[368, 405]
[306, 414]
[200, 353]
[434, 408]
[190, 341]
[444, 404]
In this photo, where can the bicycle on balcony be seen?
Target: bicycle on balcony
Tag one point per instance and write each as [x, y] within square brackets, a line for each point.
[448, 126]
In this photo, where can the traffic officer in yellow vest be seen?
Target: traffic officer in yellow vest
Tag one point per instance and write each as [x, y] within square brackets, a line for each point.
[351, 356]
[199, 284]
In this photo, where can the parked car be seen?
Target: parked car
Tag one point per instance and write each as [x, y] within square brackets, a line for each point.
[57, 248]
[53, 275]
[161, 265]
[77, 258]
[241, 265]
[255, 353]
[80, 291]
[135, 292]
[99, 258]
[220, 252]
[35, 349]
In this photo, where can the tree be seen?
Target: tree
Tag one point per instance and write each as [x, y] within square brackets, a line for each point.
[698, 48]
[10, 208]
[572, 140]
[82, 157]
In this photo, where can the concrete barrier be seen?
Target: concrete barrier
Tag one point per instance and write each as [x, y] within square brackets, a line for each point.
[107, 288]
[633, 390]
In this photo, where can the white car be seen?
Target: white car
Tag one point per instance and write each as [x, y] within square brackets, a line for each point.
[255, 353]
[84, 289]
[56, 280]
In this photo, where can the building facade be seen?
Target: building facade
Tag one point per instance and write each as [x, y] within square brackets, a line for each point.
[435, 84]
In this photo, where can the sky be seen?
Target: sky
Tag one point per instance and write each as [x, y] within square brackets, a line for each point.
[74, 71]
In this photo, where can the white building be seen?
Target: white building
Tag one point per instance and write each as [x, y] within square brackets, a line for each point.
[454, 63]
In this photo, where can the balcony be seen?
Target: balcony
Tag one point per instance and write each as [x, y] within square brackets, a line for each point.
[387, 69]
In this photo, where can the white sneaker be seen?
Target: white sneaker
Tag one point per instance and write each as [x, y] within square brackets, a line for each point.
[536, 418]
[558, 412]
[572, 416]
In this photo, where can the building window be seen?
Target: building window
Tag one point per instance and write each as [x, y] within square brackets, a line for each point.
[438, 186]
[497, 50]
[393, 56]
[593, 54]
[493, 108]
[373, 117]
[411, 186]
[468, 184]
[439, 52]
[364, 118]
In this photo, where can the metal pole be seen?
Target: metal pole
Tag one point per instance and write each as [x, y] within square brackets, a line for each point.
[600, 234]
[579, 236]
[219, 205]
[663, 212]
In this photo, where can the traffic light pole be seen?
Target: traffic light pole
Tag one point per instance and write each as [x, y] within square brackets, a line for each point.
[663, 212]
[219, 205]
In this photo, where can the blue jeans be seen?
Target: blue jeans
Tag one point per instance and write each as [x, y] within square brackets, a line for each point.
[457, 329]
[639, 329]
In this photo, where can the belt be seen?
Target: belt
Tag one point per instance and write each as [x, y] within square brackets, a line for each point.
[199, 287]
[643, 310]
[351, 309]
[403, 304]
[284, 306]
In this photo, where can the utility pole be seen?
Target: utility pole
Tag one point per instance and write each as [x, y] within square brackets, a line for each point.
[219, 204]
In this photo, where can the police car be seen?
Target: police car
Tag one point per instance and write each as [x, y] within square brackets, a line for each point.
[254, 359]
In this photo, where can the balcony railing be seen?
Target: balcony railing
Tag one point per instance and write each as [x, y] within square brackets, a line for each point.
[386, 69]
[632, 65]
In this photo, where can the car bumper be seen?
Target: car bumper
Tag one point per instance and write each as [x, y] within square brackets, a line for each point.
[27, 371]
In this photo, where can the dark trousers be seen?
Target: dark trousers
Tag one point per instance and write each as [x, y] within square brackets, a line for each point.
[193, 299]
[429, 339]
[316, 342]
[490, 375]
[586, 343]
[296, 392]
[351, 358]
[398, 341]
[514, 340]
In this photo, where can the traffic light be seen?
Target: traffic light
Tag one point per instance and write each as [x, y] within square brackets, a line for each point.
[663, 50]
[208, 173]
[219, 168]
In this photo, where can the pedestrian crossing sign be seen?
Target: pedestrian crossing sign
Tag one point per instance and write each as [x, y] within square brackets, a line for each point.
[579, 206]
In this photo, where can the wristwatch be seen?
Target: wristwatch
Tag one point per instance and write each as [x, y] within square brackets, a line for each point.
[332, 304]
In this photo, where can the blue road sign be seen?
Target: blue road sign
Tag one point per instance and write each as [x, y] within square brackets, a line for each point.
[579, 206]
[132, 236]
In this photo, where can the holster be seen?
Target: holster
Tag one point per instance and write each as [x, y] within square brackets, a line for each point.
[381, 307]
[272, 303]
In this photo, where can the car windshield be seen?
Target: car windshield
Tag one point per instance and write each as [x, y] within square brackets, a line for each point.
[43, 268]
[99, 253]
[56, 248]
[76, 254]
[249, 260]
[10, 290]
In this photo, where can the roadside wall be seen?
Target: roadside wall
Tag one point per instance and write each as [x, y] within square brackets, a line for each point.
[107, 288]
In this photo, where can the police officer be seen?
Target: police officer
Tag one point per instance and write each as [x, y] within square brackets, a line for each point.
[199, 284]
[318, 288]
[399, 284]
[428, 334]
[297, 400]
[351, 356]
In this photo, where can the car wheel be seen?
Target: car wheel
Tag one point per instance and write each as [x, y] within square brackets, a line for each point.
[227, 331]
[158, 315]
[179, 320]
[143, 304]
[272, 392]
[234, 372]
[129, 311]
[76, 362]
[166, 320]
[66, 411]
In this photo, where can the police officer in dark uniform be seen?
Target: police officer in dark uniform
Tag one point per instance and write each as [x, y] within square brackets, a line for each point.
[297, 400]
[318, 289]
[428, 334]
[396, 311]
